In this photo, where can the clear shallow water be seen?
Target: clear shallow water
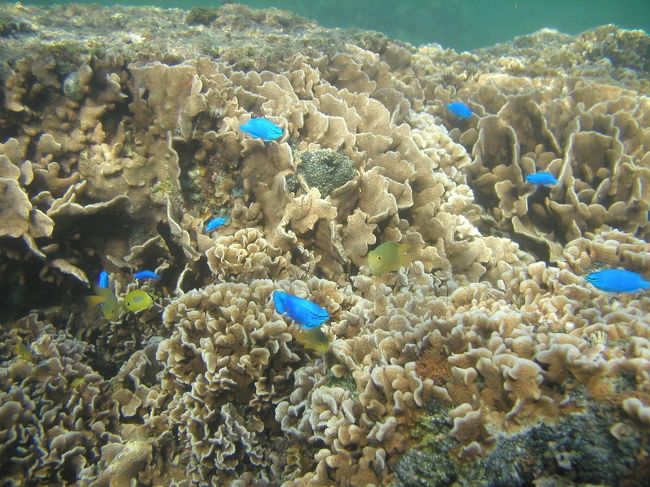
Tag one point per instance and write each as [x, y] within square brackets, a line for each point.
[460, 24]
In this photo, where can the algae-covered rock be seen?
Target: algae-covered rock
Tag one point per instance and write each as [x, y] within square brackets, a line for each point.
[11, 24]
[429, 462]
[578, 448]
[201, 16]
[326, 170]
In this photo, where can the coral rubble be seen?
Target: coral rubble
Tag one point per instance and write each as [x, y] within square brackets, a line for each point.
[487, 361]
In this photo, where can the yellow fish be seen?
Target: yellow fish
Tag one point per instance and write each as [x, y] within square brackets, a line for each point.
[137, 300]
[106, 300]
[22, 352]
[314, 339]
[389, 257]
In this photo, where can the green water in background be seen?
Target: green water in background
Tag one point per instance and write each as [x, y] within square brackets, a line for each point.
[460, 24]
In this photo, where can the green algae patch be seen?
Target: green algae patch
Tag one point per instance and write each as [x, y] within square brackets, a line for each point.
[346, 382]
[429, 462]
[326, 170]
[579, 448]
[10, 25]
[162, 189]
[201, 16]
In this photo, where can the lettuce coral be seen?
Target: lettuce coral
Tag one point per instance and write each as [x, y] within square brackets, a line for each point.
[117, 153]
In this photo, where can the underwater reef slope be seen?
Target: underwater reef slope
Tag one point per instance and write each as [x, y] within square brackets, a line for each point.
[488, 360]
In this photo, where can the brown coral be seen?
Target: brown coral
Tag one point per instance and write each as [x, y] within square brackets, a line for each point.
[145, 147]
[44, 438]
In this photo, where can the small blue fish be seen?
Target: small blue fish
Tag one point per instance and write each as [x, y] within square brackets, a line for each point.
[102, 281]
[617, 281]
[459, 109]
[216, 222]
[303, 311]
[262, 128]
[145, 274]
[541, 178]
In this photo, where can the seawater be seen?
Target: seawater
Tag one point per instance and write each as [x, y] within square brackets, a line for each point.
[459, 24]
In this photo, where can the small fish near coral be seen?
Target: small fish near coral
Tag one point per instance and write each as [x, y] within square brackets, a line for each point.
[106, 300]
[389, 257]
[102, 280]
[541, 178]
[145, 274]
[262, 128]
[216, 222]
[21, 351]
[460, 109]
[618, 281]
[314, 339]
[303, 311]
[138, 300]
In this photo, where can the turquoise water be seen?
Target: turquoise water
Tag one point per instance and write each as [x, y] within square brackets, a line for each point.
[460, 24]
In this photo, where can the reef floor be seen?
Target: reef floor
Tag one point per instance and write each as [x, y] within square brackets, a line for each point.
[476, 353]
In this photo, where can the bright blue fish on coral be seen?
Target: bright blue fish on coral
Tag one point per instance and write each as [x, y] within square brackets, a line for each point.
[145, 274]
[618, 281]
[102, 281]
[460, 109]
[303, 311]
[216, 222]
[541, 178]
[262, 128]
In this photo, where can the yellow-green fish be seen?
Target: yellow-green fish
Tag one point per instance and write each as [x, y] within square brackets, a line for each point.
[389, 257]
[106, 300]
[22, 352]
[314, 339]
[137, 300]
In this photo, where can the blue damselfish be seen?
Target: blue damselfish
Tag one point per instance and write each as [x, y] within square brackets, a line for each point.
[145, 274]
[102, 281]
[618, 281]
[460, 109]
[262, 128]
[216, 222]
[541, 178]
[303, 311]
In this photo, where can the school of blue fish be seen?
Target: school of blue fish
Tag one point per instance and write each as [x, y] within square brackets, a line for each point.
[385, 258]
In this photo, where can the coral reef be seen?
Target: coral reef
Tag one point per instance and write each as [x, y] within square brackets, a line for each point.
[579, 448]
[56, 415]
[489, 360]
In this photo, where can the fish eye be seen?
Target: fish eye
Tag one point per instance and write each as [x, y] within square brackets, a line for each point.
[379, 257]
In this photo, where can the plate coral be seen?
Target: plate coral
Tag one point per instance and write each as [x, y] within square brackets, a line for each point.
[488, 360]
